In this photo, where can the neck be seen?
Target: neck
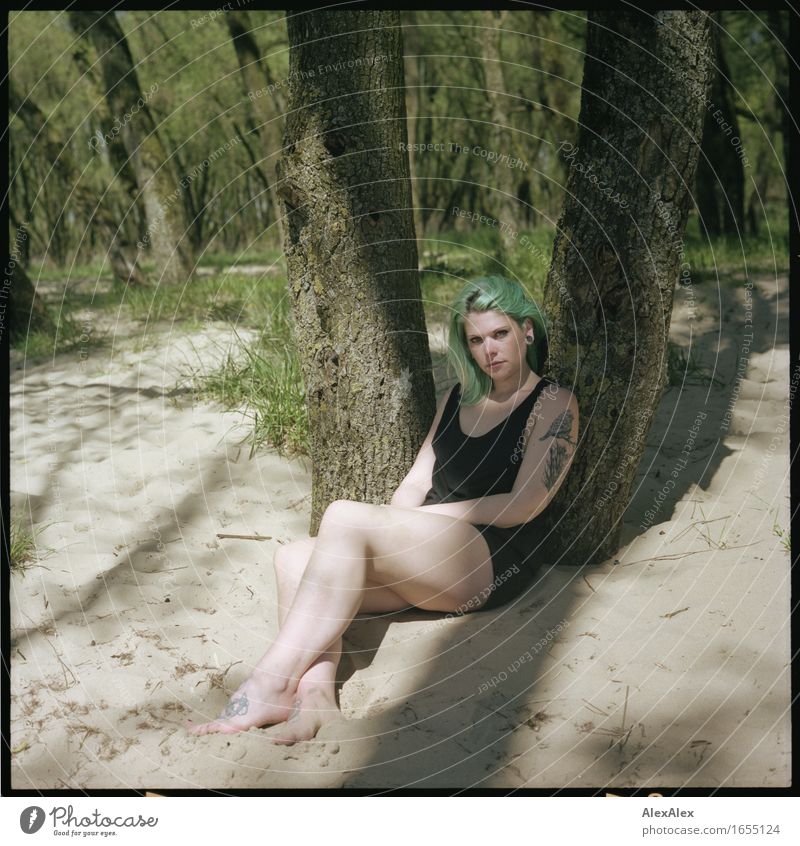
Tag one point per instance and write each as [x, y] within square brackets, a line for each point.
[503, 389]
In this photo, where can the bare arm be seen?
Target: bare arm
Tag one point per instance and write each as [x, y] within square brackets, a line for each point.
[414, 487]
[547, 458]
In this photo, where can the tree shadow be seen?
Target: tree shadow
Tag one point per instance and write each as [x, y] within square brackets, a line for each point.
[444, 723]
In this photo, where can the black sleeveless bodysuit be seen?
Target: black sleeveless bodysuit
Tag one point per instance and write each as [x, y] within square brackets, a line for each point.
[473, 467]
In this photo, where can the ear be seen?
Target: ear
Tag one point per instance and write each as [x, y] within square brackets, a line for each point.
[528, 325]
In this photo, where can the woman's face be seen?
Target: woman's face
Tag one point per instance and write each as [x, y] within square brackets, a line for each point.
[496, 342]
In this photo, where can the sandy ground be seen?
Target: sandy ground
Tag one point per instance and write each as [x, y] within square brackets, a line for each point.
[667, 666]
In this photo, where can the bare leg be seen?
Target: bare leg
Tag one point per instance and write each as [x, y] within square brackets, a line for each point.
[358, 542]
[316, 690]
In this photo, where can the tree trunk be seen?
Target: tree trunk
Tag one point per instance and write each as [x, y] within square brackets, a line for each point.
[413, 108]
[720, 171]
[135, 129]
[610, 288]
[268, 105]
[352, 256]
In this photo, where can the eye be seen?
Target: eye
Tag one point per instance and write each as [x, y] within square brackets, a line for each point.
[501, 332]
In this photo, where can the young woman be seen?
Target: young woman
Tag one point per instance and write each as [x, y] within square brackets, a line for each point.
[460, 533]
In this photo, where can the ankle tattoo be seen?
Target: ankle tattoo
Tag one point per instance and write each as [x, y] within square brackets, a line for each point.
[237, 706]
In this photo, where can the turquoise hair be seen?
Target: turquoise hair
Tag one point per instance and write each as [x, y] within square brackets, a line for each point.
[487, 293]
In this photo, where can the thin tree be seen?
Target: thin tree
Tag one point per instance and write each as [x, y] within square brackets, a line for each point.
[159, 186]
[264, 101]
[503, 197]
[618, 254]
[352, 256]
[83, 198]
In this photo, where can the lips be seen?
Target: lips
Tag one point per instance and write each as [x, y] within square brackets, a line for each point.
[496, 363]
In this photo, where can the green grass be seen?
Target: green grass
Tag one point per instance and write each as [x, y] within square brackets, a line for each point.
[264, 255]
[263, 379]
[237, 298]
[767, 252]
[99, 269]
[23, 548]
[70, 337]
[95, 270]
[785, 537]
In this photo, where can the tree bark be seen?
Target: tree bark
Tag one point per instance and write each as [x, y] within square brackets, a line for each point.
[610, 288]
[413, 109]
[720, 171]
[352, 256]
[159, 187]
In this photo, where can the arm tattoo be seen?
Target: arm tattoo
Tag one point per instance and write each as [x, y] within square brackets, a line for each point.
[561, 427]
[237, 706]
[556, 458]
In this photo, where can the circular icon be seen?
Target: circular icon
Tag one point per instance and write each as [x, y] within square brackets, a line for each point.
[31, 819]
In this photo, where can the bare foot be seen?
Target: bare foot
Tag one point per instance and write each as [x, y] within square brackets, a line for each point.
[313, 709]
[257, 702]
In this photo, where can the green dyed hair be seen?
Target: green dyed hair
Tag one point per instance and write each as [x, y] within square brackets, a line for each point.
[488, 293]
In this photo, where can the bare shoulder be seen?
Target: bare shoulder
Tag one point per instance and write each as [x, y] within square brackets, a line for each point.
[555, 400]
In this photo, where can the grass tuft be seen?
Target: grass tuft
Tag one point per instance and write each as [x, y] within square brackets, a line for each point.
[263, 379]
[23, 549]
[784, 535]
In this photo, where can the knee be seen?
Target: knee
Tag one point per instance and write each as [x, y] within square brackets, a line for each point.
[348, 514]
[289, 557]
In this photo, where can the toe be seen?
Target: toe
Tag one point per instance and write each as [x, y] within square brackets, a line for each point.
[206, 728]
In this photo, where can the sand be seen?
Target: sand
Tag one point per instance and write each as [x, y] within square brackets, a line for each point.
[666, 666]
